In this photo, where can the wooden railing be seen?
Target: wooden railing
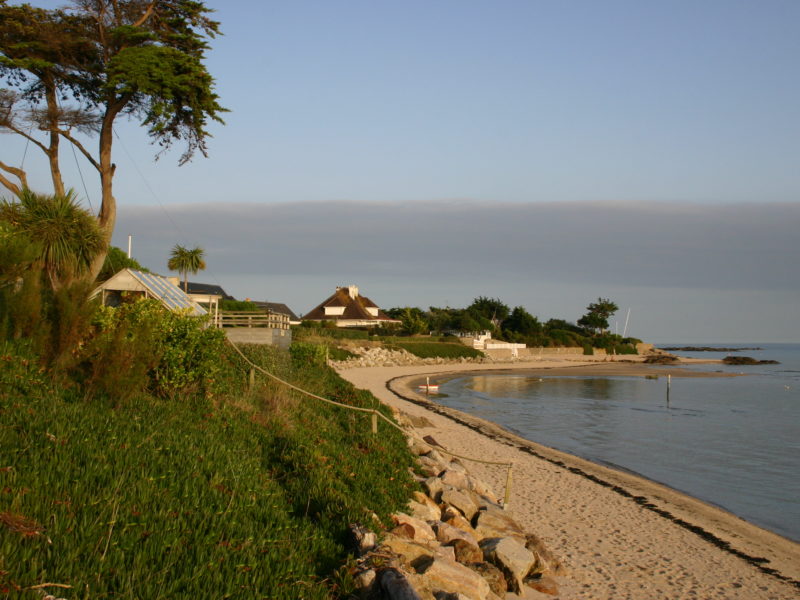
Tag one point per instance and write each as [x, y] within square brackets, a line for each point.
[272, 320]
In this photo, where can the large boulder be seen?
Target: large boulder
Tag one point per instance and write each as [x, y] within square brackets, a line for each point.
[434, 487]
[421, 531]
[447, 533]
[461, 500]
[454, 478]
[546, 561]
[446, 576]
[465, 552]
[493, 576]
[422, 507]
[492, 522]
[511, 557]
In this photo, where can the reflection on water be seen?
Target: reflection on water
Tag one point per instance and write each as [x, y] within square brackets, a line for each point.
[732, 442]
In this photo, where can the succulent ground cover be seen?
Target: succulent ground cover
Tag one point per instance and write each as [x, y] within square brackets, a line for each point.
[247, 494]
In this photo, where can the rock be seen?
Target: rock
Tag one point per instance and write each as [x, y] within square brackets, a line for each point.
[453, 517]
[437, 456]
[421, 531]
[447, 552]
[481, 488]
[397, 586]
[429, 466]
[425, 512]
[457, 465]
[493, 576]
[411, 552]
[456, 479]
[446, 576]
[365, 580]
[511, 557]
[465, 552]
[546, 561]
[434, 487]
[364, 539]
[418, 447]
[404, 531]
[447, 533]
[544, 584]
[494, 522]
[460, 500]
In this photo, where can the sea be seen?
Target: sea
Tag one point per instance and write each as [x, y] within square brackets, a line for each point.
[733, 442]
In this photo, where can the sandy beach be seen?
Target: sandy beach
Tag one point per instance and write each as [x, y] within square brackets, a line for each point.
[620, 536]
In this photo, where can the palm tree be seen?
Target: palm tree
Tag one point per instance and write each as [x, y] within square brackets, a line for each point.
[186, 261]
[68, 236]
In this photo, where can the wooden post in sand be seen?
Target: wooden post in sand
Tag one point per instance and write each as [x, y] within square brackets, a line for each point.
[507, 497]
[427, 386]
[374, 422]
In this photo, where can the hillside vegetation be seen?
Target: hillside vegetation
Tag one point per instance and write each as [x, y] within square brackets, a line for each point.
[232, 494]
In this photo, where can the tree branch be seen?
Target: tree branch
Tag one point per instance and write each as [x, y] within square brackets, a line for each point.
[16, 172]
[146, 15]
[12, 187]
[80, 147]
[27, 136]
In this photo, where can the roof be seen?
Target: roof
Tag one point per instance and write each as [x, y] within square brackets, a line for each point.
[278, 308]
[153, 286]
[354, 308]
[209, 289]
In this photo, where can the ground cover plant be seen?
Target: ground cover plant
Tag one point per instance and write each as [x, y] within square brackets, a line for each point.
[245, 494]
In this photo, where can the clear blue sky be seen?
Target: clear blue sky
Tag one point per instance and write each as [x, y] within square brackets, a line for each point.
[667, 108]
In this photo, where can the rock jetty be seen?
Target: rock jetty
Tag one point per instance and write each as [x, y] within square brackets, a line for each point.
[386, 357]
[454, 542]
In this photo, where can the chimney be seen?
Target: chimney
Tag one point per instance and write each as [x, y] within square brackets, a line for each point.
[353, 291]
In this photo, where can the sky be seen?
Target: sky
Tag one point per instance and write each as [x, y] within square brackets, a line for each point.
[542, 153]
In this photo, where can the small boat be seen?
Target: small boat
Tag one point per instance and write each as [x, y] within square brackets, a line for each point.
[429, 388]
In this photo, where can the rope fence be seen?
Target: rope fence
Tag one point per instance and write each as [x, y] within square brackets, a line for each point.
[375, 413]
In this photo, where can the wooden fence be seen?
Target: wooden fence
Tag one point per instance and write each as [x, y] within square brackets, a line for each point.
[226, 318]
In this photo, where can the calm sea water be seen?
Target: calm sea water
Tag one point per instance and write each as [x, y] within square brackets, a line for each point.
[733, 442]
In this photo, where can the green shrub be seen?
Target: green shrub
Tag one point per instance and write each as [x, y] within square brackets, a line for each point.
[178, 353]
[338, 333]
[239, 306]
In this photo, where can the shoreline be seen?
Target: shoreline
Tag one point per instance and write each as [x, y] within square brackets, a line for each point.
[621, 534]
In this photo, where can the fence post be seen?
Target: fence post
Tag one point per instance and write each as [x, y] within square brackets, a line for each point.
[374, 423]
[252, 377]
[507, 497]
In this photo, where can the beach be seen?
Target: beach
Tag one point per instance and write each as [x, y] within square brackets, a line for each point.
[620, 535]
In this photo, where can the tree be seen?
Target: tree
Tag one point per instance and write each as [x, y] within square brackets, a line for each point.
[68, 236]
[491, 309]
[414, 321]
[522, 322]
[596, 319]
[116, 260]
[186, 261]
[106, 58]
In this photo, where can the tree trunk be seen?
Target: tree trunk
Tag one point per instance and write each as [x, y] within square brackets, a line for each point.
[108, 207]
[55, 138]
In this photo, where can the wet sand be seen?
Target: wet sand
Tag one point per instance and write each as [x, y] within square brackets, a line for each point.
[621, 536]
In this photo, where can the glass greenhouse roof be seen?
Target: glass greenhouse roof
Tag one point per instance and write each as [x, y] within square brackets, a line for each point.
[171, 295]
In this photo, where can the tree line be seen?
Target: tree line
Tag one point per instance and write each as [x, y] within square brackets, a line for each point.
[517, 325]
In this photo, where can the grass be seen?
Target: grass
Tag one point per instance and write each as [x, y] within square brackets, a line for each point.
[246, 497]
[437, 349]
